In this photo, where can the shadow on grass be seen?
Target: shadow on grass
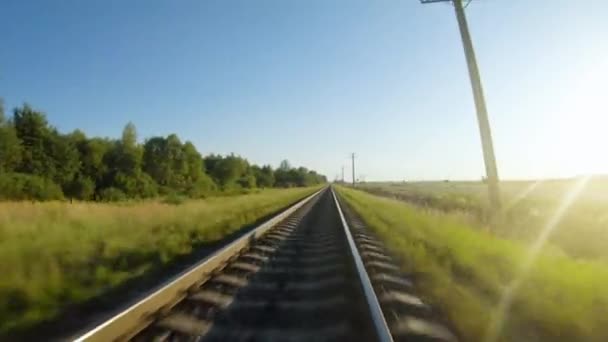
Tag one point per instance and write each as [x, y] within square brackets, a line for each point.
[75, 319]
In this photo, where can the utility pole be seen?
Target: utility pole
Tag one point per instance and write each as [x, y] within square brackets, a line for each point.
[480, 106]
[342, 173]
[353, 158]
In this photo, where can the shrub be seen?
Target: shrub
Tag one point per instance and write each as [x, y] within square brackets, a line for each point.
[18, 186]
[82, 188]
[202, 187]
[146, 186]
[247, 181]
[112, 195]
[139, 185]
[174, 198]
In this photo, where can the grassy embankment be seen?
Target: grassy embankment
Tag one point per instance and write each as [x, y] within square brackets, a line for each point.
[465, 272]
[53, 254]
[582, 232]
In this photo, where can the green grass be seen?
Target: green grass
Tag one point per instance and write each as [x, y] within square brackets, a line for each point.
[54, 254]
[464, 271]
[582, 232]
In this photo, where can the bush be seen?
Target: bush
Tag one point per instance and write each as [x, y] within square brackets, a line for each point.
[82, 188]
[164, 190]
[139, 185]
[19, 186]
[146, 186]
[112, 195]
[174, 198]
[202, 187]
[247, 181]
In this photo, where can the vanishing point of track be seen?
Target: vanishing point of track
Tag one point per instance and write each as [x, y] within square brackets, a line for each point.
[312, 273]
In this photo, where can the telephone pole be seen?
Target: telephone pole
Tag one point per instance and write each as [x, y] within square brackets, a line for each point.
[480, 106]
[342, 173]
[353, 158]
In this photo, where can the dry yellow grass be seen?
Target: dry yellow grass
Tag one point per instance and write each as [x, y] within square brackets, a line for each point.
[56, 253]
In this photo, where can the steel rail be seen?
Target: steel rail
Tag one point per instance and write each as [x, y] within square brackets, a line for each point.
[381, 328]
[129, 322]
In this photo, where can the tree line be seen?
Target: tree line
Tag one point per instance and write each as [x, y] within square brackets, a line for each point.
[38, 162]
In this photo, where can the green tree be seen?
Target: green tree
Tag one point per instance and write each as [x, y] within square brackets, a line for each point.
[283, 175]
[65, 159]
[19, 186]
[45, 152]
[10, 145]
[92, 153]
[129, 135]
[247, 181]
[155, 160]
[173, 165]
[264, 176]
[34, 133]
[210, 163]
[285, 165]
[124, 166]
[286, 176]
[38, 162]
[178, 163]
[226, 171]
[2, 118]
[314, 178]
[126, 156]
[198, 182]
[195, 168]
[81, 187]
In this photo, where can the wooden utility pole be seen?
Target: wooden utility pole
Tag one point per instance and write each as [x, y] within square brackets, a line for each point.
[353, 158]
[480, 106]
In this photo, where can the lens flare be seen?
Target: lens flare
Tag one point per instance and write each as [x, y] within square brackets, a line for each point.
[502, 311]
[523, 194]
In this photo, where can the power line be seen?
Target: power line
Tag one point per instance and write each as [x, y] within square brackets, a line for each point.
[433, 1]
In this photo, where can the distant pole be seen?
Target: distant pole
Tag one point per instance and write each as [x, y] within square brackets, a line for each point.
[480, 105]
[353, 158]
[342, 173]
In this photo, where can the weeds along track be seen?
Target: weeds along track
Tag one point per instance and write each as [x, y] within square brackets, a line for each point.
[302, 280]
[407, 316]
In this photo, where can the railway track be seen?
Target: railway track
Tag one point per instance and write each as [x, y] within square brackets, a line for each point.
[305, 275]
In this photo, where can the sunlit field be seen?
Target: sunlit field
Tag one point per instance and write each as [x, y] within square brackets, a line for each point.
[56, 253]
[528, 206]
[493, 288]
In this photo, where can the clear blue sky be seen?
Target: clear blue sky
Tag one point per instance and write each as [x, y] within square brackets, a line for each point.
[312, 81]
